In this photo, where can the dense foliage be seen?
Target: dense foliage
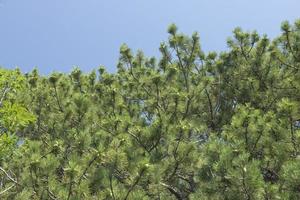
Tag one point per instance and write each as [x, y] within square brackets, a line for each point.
[188, 125]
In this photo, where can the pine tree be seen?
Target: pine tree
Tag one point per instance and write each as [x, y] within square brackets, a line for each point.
[189, 125]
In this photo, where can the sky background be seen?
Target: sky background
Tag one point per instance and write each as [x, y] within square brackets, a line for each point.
[56, 35]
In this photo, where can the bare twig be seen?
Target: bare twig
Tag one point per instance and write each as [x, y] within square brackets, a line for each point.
[10, 187]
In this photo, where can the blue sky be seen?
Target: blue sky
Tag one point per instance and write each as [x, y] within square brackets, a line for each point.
[56, 35]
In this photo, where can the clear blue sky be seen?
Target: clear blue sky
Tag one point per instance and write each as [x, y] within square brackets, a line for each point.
[56, 35]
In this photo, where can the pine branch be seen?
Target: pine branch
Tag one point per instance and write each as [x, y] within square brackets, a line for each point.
[4, 93]
[8, 176]
[135, 183]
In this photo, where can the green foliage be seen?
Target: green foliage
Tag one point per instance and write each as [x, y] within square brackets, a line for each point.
[188, 125]
[13, 116]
